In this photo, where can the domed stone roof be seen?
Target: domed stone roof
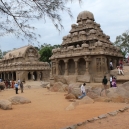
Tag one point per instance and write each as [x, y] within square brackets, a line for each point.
[85, 15]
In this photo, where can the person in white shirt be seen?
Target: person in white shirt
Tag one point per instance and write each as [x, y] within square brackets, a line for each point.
[111, 77]
[83, 91]
[18, 81]
[111, 65]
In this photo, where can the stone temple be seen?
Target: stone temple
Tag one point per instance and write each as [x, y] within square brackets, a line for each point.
[23, 63]
[85, 52]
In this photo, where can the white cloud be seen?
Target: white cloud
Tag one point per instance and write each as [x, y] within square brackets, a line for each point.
[112, 15]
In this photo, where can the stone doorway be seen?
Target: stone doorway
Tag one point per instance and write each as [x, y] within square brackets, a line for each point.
[14, 76]
[71, 67]
[61, 67]
[29, 76]
[81, 66]
[34, 76]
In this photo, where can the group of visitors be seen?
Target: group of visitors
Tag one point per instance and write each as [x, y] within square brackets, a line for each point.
[9, 83]
[12, 84]
[119, 67]
[17, 84]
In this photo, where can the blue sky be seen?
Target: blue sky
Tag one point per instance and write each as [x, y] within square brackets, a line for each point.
[112, 15]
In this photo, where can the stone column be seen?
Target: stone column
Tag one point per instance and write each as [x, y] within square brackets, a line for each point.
[57, 67]
[66, 67]
[4, 75]
[38, 75]
[76, 66]
[12, 76]
[87, 59]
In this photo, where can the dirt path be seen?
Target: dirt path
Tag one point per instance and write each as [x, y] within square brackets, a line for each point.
[47, 111]
[120, 121]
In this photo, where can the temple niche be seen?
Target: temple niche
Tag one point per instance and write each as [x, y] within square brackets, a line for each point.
[85, 52]
[23, 63]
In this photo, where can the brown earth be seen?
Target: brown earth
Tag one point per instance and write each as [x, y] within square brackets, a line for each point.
[47, 111]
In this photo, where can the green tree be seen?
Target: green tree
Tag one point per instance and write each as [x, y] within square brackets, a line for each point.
[45, 52]
[122, 41]
[17, 14]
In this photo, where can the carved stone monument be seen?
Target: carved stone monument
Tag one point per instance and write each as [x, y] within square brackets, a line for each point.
[23, 63]
[85, 53]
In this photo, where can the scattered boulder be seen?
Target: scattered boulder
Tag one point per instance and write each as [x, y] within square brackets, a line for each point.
[86, 100]
[58, 87]
[70, 96]
[18, 100]
[2, 85]
[5, 104]
[60, 79]
[44, 85]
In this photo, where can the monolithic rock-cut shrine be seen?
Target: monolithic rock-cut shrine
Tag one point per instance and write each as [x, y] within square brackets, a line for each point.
[23, 63]
[85, 52]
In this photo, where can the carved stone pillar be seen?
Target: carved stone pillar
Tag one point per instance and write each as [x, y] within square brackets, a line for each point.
[87, 59]
[66, 67]
[76, 66]
[12, 76]
[57, 67]
[31, 75]
[38, 76]
[87, 67]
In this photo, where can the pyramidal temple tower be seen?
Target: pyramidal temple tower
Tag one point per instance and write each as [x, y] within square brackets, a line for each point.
[85, 52]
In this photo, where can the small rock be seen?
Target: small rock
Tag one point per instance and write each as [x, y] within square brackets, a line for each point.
[102, 116]
[113, 113]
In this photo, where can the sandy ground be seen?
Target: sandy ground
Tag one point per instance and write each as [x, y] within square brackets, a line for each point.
[47, 111]
[120, 121]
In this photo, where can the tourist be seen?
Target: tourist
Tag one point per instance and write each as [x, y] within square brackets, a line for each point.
[111, 65]
[120, 70]
[0, 80]
[83, 91]
[12, 83]
[18, 81]
[21, 86]
[114, 82]
[6, 83]
[16, 87]
[121, 63]
[9, 84]
[111, 77]
[104, 82]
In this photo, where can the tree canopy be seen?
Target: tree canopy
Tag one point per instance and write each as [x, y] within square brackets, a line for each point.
[122, 41]
[17, 14]
[45, 51]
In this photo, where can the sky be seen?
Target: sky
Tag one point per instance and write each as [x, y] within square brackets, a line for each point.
[112, 15]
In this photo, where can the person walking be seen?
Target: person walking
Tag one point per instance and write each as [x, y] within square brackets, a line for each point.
[104, 82]
[83, 91]
[21, 86]
[111, 65]
[16, 87]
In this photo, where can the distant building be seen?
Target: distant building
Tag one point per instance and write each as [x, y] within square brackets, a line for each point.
[23, 63]
[85, 53]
